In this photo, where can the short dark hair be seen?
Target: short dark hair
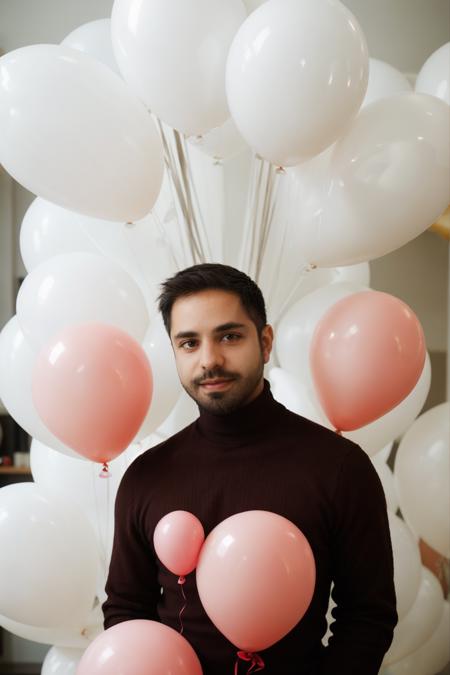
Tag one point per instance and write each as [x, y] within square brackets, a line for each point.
[208, 276]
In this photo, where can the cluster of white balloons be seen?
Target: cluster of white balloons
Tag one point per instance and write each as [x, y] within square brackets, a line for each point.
[287, 79]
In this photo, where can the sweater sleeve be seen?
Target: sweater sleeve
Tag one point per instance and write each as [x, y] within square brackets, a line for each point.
[365, 614]
[132, 586]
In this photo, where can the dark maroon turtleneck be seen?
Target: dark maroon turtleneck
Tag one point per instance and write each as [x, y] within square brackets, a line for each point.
[263, 457]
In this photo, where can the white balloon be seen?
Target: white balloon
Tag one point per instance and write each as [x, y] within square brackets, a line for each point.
[420, 622]
[297, 326]
[293, 394]
[434, 76]
[78, 637]
[220, 143]
[387, 481]
[94, 38]
[49, 560]
[381, 184]
[384, 80]
[407, 564]
[166, 384]
[141, 249]
[72, 133]
[422, 467]
[61, 661]
[183, 414]
[80, 483]
[296, 75]
[382, 456]
[432, 656]
[172, 54]
[76, 288]
[17, 360]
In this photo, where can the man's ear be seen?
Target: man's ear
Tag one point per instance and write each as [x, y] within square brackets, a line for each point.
[266, 342]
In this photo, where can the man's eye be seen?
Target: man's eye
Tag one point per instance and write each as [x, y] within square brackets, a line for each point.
[231, 337]
[188, 344]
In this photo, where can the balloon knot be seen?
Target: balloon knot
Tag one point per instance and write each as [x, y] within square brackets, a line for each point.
[181, 580]
[256, 662]
[105, 472]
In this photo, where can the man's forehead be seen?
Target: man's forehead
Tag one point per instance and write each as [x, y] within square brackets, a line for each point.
[207, 310]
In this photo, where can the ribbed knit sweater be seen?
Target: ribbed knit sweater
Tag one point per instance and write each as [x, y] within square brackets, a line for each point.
[263, 456]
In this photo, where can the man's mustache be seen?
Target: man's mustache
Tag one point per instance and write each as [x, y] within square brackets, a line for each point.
[215, 374]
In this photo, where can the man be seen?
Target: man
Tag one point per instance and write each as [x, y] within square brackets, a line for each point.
[244, 452]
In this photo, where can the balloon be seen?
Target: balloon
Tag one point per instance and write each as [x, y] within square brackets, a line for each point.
[220, 143]
[382, 183]
[142, 249]
[172, 55]
[418, 625]
[49, 558]
[421, 474]
[297, 326]
[94, 39]
[434, 76]
[61, 661]
[237, 559]
[377, 434]
[367, 354]
[92, 386]
[407, 564]
[178, 538]
[384, 81]
[293, 394]
[75, 135]
[387, 481]
[166, 385]
[75, 288]
[432, 656]
[75, 637]
[17, 360]
[139, 647]
[296, 75]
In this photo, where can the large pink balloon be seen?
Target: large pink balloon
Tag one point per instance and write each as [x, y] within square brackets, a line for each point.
[255, 577]
[178, 538]
[367, 354]
[139, 647]
[92, 386]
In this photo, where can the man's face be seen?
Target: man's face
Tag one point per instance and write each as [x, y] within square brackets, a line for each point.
[219, 355]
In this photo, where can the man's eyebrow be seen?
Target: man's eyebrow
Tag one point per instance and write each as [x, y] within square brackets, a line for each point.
[231, 325]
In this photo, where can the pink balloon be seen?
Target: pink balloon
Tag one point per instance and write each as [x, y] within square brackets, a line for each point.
[367, 354]
[139, 647]
[92, 386]
[255, 577]
[178, 538]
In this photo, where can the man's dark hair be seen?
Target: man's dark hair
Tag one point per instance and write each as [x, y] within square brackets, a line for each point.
[209, 276]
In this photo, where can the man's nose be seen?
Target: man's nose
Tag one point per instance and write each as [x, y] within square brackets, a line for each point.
[211, 355]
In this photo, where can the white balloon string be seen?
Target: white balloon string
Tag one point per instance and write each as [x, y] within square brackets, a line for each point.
[267, 218]
[301, 277]
[196, 202]
[163, 234]
[243, 262]
[98, 518]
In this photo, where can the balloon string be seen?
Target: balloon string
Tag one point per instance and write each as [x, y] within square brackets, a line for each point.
[182, 581]
[256, 662]
[338, 432]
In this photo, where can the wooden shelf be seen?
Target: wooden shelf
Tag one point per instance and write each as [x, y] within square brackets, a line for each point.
[11, 470]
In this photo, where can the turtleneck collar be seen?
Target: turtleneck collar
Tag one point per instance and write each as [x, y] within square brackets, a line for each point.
[239, 426]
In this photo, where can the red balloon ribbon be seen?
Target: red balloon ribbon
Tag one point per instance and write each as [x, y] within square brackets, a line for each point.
[182, 581]
[256, 662]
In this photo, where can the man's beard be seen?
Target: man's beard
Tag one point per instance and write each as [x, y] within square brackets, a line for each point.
[223, 403]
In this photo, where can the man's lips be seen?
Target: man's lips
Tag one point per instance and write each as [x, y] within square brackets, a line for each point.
[218, 383]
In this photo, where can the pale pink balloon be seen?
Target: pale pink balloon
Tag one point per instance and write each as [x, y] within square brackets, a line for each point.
[92, 386]
[139, 647]
[178, 538]
[255, 577]
[367, 354]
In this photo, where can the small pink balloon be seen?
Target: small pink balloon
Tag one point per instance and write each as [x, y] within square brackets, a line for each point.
[139, 647]
[367, 354]
[178, 538]
[92, 387]
[255, 577]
